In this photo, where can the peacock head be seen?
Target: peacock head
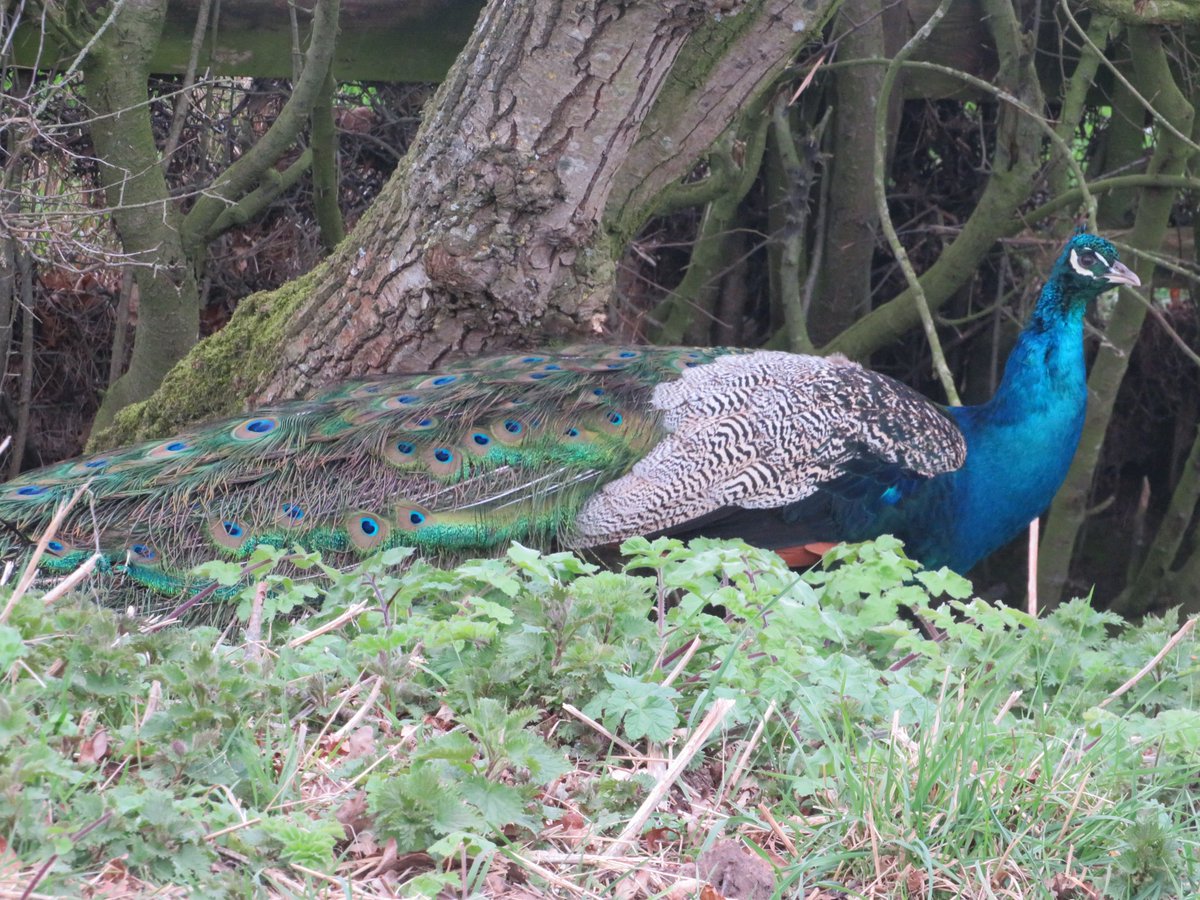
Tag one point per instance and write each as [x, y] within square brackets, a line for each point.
[1087, 268]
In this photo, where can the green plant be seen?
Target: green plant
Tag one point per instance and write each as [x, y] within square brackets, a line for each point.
[898, 731]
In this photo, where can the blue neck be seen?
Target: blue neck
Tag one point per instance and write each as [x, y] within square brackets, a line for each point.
[1021, 442]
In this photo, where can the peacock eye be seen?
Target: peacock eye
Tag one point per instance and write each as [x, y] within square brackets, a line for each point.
[1088, 258]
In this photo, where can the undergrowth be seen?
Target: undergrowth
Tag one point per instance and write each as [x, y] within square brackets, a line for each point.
[493, 729]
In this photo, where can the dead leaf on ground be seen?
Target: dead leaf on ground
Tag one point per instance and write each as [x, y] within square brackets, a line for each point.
[1065, 886]
[732, 870]
[94, 748]
[361, 743]
[353, 813]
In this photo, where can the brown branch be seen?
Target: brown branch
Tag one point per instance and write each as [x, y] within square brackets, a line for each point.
[881, 203]
[248, 171]
[184, 101]
[1149, 12]
[323, 135]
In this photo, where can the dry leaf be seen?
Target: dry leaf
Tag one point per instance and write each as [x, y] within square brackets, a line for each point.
[94, 747]
[1065, 886]
[361, 743]
[353, 812]
[655, 839]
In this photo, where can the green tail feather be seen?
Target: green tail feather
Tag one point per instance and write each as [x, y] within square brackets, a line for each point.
[457, 462]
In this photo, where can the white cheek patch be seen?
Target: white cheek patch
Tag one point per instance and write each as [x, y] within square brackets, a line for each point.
[1081, 268]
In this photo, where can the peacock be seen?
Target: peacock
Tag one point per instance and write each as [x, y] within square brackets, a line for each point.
[586, 446]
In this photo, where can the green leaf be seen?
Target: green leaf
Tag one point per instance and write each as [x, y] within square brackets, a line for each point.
[501, 614]
[499, 804]
[495, 573]
[224, 573]
[650, 717]
[307, 842]
[454, 747]
[945, 581]
[12, 646]
[643, 709]
[394, 556]
[528, 751]
[456, 843]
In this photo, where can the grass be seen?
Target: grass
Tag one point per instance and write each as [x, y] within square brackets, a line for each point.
[522, 728]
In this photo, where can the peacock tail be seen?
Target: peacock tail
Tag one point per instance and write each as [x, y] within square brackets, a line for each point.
[582, 447]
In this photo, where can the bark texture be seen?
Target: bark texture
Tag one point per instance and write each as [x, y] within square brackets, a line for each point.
[551, 138]
[1172, 153]
[493, 229]
[844, 286]
[145, 216]
[495, 232]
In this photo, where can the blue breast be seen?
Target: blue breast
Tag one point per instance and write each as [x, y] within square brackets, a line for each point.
[1019, 447]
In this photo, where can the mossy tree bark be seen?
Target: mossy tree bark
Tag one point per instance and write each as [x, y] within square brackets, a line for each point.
[548, 144]
[1016, 159]
[690, 314]
[145, 216]
[323, 133]
[1124, 148]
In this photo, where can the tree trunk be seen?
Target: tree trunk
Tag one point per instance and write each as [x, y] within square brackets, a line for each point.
[168, 250]
[144, 214]
[540, 152]
[495, 231]
[1173, 150]
[843, 294]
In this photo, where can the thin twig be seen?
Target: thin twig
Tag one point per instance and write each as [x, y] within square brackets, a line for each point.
[1128, 85]
[1006, 706]
[1160, 319]
[596, 726]
[355, 720]
[184, 101]
[69, 583]
[65, 77]
[1070, 816]
[1148, 667]
[1082, 188]
[885, 216]
[707, 726]
[744, 757]
[38, 551]
[683, 661]
[549, 876]
[777, 829]
[1031, 574]
[332, 625]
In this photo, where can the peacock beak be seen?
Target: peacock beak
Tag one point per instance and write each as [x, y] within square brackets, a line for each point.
[1119, 273]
